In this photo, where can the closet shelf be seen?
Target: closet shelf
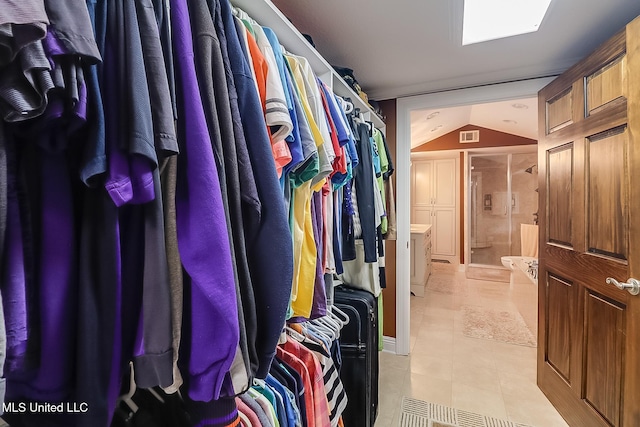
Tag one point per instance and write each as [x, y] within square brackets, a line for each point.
[267, 14]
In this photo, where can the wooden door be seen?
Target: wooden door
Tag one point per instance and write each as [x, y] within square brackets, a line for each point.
[589, 180]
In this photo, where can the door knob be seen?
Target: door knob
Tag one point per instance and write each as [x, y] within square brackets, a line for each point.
[633, 287]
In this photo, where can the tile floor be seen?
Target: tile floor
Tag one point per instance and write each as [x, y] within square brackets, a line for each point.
[447, 368]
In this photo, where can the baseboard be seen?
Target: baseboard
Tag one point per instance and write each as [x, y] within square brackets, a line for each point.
[389, 344]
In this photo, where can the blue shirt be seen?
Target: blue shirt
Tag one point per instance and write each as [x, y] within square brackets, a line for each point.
[272, 275]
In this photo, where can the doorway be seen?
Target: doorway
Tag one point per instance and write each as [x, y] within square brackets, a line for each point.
[484, 94]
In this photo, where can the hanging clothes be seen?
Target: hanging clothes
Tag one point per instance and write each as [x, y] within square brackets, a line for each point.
[198, 208]
[173, 168]
[225, 154]
[272, 276]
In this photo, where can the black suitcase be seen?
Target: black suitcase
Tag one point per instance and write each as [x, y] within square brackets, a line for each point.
[359, 348]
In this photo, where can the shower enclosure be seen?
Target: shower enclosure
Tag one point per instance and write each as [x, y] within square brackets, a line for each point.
[503, 195]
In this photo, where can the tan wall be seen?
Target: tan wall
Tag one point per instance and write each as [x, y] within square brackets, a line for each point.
[389, 294]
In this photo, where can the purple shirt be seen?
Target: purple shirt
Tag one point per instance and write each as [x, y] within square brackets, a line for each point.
[203, 241]
[57, 286]
[14, 282]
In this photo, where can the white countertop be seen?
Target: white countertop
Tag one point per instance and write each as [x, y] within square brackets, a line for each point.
[420, 228]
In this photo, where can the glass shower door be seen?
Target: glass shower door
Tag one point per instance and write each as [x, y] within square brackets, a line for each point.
[503, 196]
[490, 228]
[524, 189]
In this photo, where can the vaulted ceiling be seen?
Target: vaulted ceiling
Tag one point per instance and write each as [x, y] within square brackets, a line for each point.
[515, 117]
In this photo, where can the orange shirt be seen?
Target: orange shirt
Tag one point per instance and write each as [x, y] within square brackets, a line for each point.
[279, 149]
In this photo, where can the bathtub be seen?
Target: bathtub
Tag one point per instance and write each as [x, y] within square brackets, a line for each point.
[525, 264]
[524, 288]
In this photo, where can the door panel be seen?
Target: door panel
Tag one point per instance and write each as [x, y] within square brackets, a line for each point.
[608, 226]
[589, 155]
[605, 85]
[560, 194]
[559, 111]
[445, 232]
[561, 301]
[604, 356]
[422, 185]
[445, 178]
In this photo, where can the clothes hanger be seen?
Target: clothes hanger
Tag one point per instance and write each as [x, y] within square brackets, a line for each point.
[328, 329]
[319, 331]
[240, 13]
[345, 104]
[301, 332]
[350, 106]
[336, 322]
[342, 102]
[128, 397]
[283, 337]
[155, 394]
[294, 334]
[318, 337]
[338, 314]
[337, 326]
[357, 117]
[259, 383]
[329, 326]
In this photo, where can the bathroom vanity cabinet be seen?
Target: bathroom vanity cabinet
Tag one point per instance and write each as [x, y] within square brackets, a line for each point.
[420, 257]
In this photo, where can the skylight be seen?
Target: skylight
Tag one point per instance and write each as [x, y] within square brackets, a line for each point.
[495, 19]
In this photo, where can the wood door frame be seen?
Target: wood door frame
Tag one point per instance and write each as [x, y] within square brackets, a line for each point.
[476, 95]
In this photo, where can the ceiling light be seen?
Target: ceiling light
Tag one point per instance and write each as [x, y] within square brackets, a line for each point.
[436, 128]
[495, 19]
[520, 106]
[432, 115]
[512, 122]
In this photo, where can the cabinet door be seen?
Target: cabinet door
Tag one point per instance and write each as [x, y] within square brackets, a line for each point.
[434, 202]
[443, 233]
[444, 191]
[422, 183]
